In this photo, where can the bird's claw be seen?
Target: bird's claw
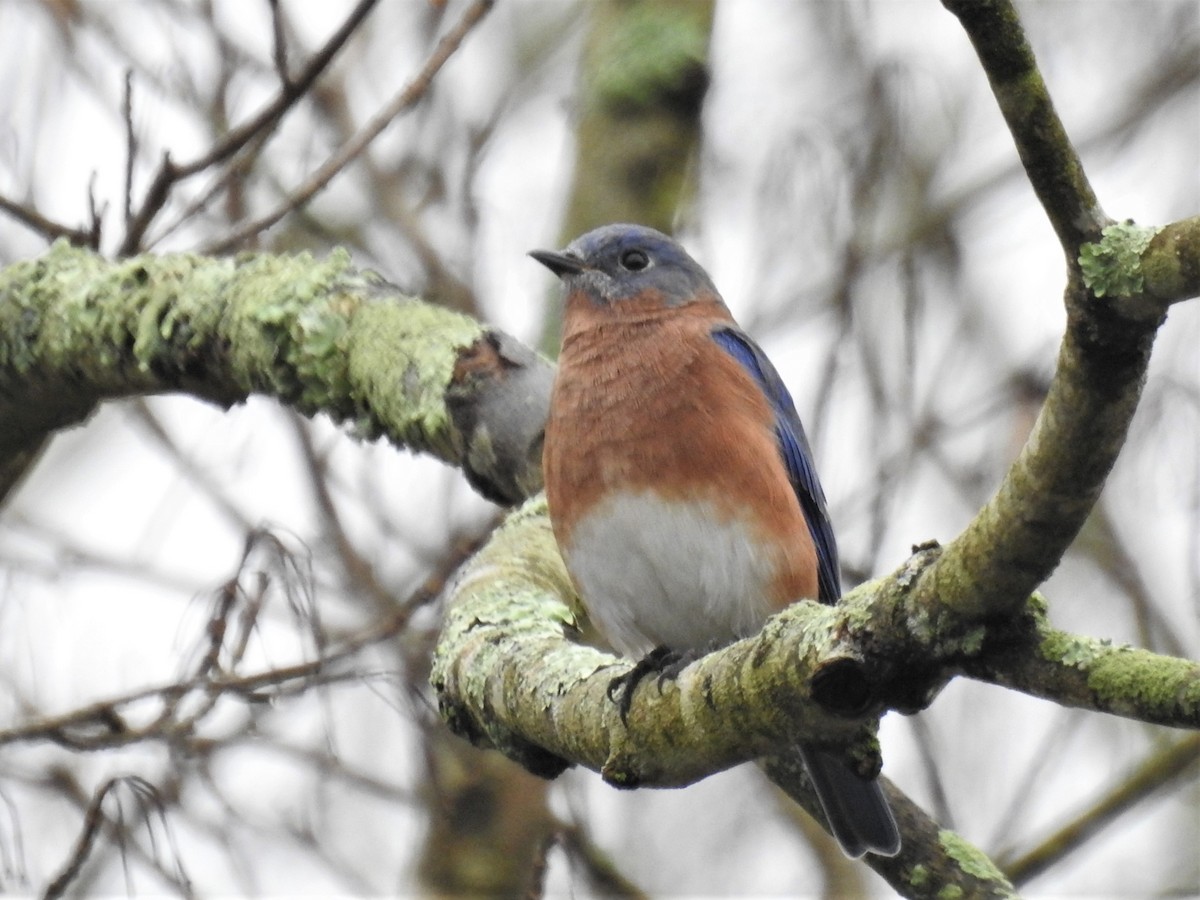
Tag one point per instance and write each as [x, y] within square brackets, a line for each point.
[662, 662]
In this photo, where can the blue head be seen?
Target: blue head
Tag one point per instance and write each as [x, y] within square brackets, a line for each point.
[620, 262]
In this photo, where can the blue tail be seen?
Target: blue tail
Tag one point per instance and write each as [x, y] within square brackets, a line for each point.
[856, 809]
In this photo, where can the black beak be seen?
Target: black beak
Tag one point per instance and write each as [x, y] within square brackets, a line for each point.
[561, 264]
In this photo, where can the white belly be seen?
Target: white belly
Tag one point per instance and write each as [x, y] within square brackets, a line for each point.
[669, 574]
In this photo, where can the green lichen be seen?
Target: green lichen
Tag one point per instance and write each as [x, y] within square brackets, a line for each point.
[918, 876]
[972, 641]
[303, 307]
[1070, 650]
[1113, 267]
[401, 370]
[969, 858]
[1126, 678]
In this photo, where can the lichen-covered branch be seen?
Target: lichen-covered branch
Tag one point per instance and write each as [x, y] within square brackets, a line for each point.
[508, 677]
[510, 674]
[1028, 654]
[1144, 269]
[1171, 263]
[1021, 534]
[319, 335]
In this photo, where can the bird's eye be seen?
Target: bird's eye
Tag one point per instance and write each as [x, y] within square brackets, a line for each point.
[634, 260]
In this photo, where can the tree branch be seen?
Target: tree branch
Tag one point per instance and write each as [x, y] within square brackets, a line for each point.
[509, 675]
[170, 173]
[49, 229]
[1029, 655]
[76, 329]
[1143, 269]
[351, 149]
[1050, 160]
[1021, 534]
[1160, 769]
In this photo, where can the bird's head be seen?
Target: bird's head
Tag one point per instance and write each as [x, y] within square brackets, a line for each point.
[624, 265]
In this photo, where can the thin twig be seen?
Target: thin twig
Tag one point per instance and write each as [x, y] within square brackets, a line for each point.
[404, 100]
[169, 173]
[94, 821]
[47, 228]
[131, 148]
[279, 44]
[1155, 773]
[357, 568]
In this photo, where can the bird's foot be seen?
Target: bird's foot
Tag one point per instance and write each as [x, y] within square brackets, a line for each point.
[662, 662]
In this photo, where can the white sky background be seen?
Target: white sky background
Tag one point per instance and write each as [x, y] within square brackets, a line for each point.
[106, 549]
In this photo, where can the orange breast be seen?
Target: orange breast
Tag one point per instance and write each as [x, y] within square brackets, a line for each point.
[648, 402]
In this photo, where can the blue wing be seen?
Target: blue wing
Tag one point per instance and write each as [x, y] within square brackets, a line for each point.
[795, 452]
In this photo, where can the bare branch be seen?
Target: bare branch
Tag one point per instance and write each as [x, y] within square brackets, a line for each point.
[1050, 161]
[131, 148]
[47, 228]
[150, 808]
[279, 44]
[349, 151]
[1156, 772]
[169, 173]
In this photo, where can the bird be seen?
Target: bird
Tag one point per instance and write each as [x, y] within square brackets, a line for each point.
[680, 483]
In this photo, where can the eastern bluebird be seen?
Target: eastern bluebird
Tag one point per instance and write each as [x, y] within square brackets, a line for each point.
[681, 485]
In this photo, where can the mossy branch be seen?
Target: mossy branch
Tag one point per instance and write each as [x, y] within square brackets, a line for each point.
[508, 676]
[510, 673]
[1018, 538]
[1029, 655]
[318, 335]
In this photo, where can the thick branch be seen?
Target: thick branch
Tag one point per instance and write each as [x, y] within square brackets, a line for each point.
[508, 676]
[320, 336]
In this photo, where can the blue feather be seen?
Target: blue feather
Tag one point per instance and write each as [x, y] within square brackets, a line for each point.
[793, 450]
